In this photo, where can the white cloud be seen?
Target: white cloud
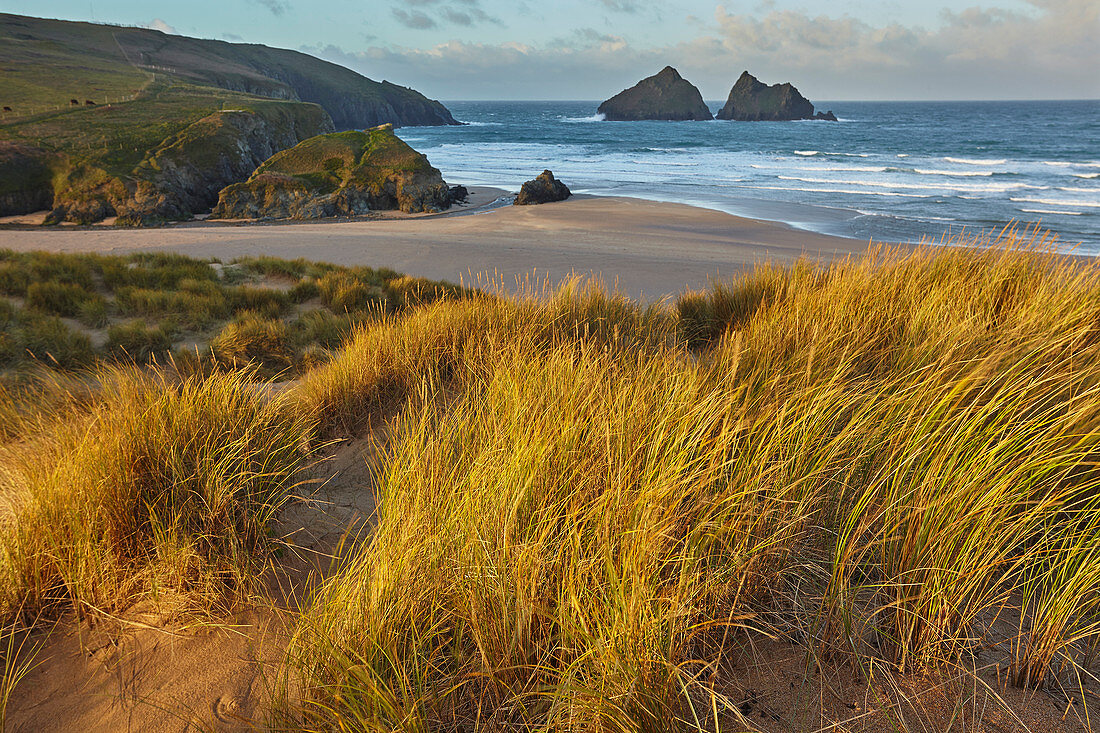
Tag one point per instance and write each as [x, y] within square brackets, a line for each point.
[157, 24]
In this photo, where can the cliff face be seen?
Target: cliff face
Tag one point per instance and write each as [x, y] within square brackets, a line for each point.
[341, 174]
[663, 96]
[184, 174]
[750, 100]
[26, 176]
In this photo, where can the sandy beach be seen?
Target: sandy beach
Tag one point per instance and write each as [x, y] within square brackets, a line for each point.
[648, 249]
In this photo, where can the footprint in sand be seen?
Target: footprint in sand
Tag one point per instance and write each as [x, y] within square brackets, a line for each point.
[230, 709]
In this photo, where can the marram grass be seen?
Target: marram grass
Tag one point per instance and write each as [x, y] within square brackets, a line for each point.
[154, 490]
[586, 506]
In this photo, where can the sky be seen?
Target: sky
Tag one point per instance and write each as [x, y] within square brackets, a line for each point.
[591, 49]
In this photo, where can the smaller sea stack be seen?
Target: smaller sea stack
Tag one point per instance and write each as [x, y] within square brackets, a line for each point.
[751, 100]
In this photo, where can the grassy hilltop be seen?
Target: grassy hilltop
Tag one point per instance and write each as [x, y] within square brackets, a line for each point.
[342, 173]
[172, 120]
[861, 497]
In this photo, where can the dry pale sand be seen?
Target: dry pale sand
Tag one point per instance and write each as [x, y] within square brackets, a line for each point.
[649, 249]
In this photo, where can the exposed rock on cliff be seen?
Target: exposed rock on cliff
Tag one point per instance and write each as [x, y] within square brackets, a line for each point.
[751, 100]
[663, 96]
[542, 190]
[339, 174]
[184, 174]
[25, 178]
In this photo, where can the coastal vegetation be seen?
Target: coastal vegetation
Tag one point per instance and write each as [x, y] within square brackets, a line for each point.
[339, 174]
[72, 312]
[103, 121]
[597, 514]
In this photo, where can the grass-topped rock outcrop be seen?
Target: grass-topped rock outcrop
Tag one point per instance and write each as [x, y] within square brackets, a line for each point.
[339, 174]
[664, 96]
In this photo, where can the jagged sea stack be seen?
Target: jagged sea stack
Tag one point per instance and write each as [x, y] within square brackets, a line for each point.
[664, 96]
[751, 100]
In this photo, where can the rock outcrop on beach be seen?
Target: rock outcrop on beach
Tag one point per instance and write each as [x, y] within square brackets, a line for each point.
[542, 190]
[751, 100]
[183, 175]
[338, 174]
[663, 96]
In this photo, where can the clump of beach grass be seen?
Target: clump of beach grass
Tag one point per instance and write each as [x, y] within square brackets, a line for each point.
[154, 490]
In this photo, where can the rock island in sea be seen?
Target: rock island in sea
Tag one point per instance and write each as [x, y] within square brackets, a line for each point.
[664, 96]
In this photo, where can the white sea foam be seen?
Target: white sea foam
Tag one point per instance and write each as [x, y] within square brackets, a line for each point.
[591, 118]
[1059, 202]
[933, 172]
[903, 155]
[1078, 189]
[853, 168]
[976, 161]
[1051, 211]
[1086, 175]
[483, 124]
[841, 190]
[947, 186]
[806, 153]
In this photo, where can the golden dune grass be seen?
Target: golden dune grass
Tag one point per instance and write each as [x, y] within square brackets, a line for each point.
[586, 505]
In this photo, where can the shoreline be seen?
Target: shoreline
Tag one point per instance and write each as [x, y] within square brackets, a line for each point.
[643, 248]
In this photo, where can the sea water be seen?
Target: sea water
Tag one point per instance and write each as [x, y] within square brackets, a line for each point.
[888, 171]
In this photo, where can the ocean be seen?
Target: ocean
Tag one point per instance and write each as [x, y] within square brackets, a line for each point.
[888, 171]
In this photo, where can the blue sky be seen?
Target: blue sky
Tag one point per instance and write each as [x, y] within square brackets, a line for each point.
[590, 49]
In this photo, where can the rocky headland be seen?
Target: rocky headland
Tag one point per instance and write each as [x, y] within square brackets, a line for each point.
[177, 119]
[338, 174]
[664, 96]
[751, 100]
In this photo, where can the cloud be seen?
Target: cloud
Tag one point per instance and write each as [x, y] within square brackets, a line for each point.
[1043, 51]
[157, 24]
[276, 7]
[415, 20]
[620, 6]
[465, 13]
[233, 37]
[973, 53]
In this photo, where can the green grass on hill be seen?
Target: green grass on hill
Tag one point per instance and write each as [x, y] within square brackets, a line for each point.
[326, 162]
